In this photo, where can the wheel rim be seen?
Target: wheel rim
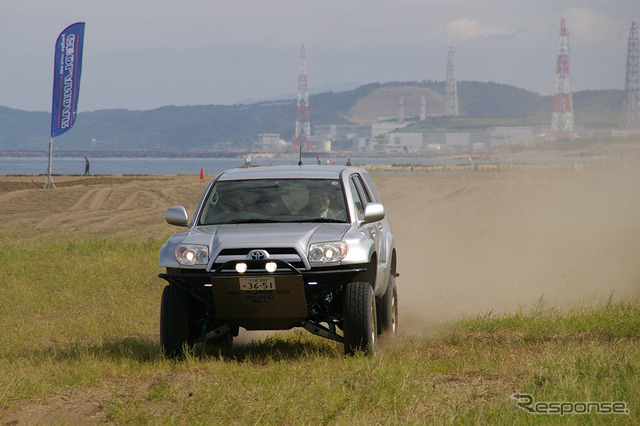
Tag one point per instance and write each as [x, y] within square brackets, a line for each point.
[395, 311]
[374, 326]
[394, 314]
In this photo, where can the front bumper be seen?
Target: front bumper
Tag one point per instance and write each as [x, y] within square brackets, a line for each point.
[292, 297]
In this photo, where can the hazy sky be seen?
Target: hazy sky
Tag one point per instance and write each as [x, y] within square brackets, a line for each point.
[144, 54]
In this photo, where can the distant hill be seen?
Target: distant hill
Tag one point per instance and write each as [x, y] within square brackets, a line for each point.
[195, 128]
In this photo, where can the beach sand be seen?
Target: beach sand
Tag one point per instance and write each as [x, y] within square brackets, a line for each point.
[469, 242]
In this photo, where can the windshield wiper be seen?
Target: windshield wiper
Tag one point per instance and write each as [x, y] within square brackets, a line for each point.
[239, 221]
[250, 221]
[323, 220]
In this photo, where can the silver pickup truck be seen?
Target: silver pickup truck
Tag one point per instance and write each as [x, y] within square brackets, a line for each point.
[273, 248]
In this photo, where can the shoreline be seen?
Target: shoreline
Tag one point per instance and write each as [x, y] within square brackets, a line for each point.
[579, 146]
[16, 182]
[472, 164]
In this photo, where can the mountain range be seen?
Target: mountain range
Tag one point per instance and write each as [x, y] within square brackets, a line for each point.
[200, 128]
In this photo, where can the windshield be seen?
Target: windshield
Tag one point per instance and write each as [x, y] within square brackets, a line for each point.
[269, 200]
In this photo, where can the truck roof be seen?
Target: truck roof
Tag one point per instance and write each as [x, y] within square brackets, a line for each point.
[287, 172]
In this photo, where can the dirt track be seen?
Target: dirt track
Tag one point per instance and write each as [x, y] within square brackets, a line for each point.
[468, 242]
[124, 206]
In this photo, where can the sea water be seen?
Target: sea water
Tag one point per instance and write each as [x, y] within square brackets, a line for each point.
[172, 166]
[214, 165]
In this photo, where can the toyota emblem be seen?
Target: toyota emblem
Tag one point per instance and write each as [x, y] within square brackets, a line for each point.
[258, 255]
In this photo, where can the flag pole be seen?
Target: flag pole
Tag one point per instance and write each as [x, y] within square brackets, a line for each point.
[49, 178]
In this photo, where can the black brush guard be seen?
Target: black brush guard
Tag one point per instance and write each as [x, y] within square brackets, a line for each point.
[289, 298]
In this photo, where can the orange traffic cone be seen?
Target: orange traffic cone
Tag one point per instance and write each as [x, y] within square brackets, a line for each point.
[201, 173]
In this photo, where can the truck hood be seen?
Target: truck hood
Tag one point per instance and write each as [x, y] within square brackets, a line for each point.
[253, 236]
[265, 235]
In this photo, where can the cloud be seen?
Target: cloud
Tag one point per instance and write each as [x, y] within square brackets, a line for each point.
[470, 29]
[589, 27]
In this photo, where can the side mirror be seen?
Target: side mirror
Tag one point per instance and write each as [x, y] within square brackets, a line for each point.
[373, 212]
[177, 215]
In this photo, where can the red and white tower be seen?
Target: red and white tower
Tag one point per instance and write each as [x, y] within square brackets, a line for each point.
[303, 124]
[562, 117]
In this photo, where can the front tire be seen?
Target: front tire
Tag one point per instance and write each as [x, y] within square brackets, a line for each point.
[360, 319]
[174, 320]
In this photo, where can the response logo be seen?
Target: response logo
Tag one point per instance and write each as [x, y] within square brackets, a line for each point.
[526, 402]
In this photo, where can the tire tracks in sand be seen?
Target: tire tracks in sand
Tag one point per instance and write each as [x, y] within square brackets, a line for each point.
[110, 209]
[135, 207]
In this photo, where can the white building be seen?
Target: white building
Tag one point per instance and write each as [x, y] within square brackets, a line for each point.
[500, 136]
[403, 143]
[269, 142]
[453, 141]
[385, 127]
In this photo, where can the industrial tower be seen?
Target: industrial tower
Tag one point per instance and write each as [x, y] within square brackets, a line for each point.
[562, 116]
[631, 105]
[303, 124]
[451, 87]
[401, 110]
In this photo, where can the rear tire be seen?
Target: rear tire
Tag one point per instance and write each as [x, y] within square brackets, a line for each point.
[360, 319]
[388, 309]
[174, 321]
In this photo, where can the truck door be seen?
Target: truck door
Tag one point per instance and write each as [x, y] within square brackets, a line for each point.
[373, 230]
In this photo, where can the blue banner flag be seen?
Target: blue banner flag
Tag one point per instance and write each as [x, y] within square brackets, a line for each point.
[67, 68]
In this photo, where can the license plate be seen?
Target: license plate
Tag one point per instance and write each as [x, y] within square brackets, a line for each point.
[257, 283]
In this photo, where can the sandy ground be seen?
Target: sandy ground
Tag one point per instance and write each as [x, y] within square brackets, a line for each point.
[468, 242]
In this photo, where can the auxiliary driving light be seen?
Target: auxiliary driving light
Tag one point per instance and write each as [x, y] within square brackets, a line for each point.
[271, 266]
[241, 268]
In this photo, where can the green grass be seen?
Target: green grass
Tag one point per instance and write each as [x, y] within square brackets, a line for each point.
[79, 343]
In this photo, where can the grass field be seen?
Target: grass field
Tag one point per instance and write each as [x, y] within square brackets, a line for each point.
[79, 344]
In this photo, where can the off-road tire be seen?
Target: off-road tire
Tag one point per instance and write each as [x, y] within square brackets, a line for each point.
[174, 320]
[387, 307]
[360, 319]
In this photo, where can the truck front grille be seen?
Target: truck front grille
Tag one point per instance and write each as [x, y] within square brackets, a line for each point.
[285, 254]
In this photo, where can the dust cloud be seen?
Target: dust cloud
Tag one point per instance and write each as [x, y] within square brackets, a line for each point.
[497, 242]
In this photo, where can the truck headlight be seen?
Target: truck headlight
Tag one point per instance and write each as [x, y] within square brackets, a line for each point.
[333, 251]
[190, 255]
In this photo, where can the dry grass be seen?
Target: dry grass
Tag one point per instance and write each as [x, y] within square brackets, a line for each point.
[79, 344]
